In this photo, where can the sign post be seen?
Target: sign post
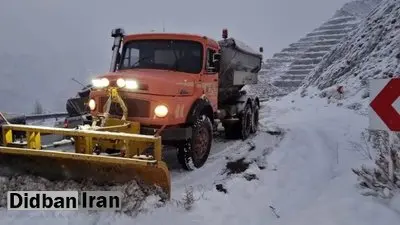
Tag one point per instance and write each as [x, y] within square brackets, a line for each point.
[384, 110]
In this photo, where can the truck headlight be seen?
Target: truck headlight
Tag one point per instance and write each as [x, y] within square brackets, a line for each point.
[128, 84]
[121, 83]
[100, 83]
[161, 111]
[92, 104]
[131, 84]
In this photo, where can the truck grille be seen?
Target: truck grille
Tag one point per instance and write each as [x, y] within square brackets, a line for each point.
[136, 107]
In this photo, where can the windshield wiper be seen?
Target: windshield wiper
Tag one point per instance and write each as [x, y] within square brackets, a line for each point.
[138, 61]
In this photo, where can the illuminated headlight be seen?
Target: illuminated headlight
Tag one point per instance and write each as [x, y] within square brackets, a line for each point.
[161, 111]
[121, 83]
[131, 84]
[92, 104]
[128, 84]
[100, 83]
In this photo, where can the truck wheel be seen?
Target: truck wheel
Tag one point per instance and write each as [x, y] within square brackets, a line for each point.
[242, 128]
[246, 122]
[256, 115]
[193, 153]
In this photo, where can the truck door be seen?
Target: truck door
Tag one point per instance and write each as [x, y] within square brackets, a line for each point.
[210, 79]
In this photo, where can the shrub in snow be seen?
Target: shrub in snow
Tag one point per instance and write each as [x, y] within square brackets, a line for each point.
[382, 180]
[188, 199]
[363, 147]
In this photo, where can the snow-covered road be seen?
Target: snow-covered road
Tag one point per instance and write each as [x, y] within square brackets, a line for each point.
[301, 177]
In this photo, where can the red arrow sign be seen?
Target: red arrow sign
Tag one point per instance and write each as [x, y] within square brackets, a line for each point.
[382, 104]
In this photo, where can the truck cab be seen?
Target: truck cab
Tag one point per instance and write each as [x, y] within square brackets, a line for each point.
[160, 75]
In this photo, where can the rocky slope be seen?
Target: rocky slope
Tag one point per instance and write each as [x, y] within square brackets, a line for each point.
[289, 67]
[370, 51]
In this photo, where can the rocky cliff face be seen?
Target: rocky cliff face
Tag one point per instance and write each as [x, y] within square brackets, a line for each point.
[293, 64]
[371, 51]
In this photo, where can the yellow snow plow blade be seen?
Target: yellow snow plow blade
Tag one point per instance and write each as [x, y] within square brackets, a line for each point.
[82, 163]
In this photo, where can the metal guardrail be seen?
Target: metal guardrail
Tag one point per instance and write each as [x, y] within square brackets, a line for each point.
[46, 116]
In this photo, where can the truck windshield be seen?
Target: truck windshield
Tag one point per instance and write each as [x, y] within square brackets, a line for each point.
[176, 55]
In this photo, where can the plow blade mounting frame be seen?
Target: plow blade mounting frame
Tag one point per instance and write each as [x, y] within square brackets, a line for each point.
[83, 163]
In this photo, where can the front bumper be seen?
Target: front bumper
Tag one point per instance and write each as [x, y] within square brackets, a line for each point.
[169, 133]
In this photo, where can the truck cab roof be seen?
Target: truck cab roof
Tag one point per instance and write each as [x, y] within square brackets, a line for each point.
[176, 36]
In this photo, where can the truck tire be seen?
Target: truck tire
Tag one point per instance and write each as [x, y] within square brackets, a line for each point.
[194, 152]
[256, 116]
[242, 128]
[246, 122]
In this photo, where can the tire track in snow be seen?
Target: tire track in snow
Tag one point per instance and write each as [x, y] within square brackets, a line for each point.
[216, 163]
[212, 169]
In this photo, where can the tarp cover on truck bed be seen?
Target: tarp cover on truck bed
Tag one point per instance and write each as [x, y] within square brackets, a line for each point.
[240, 46]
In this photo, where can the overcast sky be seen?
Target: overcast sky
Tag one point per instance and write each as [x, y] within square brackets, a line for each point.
[271, 23]
[71, 38]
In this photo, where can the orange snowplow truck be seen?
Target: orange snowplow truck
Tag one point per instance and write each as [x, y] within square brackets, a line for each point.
[162, 89]
[180, 86]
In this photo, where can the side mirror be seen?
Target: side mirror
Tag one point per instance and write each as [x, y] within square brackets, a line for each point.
[216, 57]
[117, 32]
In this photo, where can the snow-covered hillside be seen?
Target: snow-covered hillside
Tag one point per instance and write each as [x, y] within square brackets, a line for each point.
[289, 67]
[371, 51]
